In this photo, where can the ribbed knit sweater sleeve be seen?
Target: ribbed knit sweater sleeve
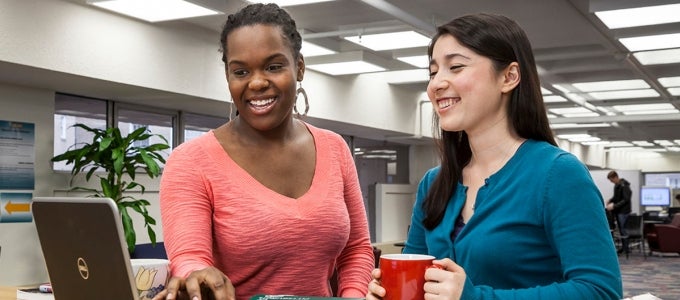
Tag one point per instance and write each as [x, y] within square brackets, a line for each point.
[215, 214]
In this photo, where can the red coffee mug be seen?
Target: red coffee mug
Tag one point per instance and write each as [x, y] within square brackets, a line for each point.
[403, 275]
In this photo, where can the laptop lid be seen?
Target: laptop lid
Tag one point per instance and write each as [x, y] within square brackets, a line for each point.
[84, 248]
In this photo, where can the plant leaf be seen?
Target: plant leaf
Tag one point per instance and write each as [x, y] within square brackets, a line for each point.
[129, 230]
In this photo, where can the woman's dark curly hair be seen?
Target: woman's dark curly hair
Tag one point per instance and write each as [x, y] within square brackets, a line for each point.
[266, 14]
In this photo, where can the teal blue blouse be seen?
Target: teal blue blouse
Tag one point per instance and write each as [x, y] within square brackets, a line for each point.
[539, 231]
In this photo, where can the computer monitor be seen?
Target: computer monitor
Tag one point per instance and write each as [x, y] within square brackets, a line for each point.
[655, 196]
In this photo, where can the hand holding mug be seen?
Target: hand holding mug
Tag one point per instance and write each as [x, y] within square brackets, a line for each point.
[400, 277]
[445, 281]
[208, 283]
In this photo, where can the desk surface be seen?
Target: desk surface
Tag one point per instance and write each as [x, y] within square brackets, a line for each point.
[8, 293]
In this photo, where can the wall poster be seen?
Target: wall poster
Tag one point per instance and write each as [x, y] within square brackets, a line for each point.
[17, 155]
[17, 171]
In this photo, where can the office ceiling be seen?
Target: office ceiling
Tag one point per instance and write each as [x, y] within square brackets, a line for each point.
[570, 43]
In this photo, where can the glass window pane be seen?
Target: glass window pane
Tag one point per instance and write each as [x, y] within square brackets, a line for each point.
[70, 110]
[157, 123]
[196, 125]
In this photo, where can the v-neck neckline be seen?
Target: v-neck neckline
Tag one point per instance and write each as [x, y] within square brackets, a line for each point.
[247, 181]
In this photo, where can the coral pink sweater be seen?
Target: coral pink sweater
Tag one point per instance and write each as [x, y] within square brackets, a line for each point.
[215, 214]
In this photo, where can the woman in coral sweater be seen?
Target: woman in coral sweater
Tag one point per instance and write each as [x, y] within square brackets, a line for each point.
[265, 204]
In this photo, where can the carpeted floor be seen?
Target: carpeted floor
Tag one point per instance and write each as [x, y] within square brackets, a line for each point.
[658, 275]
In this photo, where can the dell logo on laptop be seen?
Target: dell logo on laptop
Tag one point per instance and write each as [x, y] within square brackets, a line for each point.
[82, 268]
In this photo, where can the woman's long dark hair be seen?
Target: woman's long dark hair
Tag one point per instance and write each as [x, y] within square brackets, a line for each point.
[503, 41]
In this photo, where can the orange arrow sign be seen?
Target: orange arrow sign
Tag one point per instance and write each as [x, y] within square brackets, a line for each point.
[17, 207]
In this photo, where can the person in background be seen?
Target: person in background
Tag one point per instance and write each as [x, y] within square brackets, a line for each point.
[507, 214]
[266, 203]
[619, 205]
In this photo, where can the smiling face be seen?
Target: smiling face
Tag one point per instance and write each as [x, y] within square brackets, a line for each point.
[262, 73]
[465, 89]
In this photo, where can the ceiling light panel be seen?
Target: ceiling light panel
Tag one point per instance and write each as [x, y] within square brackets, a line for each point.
[643, 107]
[652, 42]
[579, 125]
[629, 94]
[619, 144]
[674, 91]
[353, 62]
[283, 3]
[309, 50]
[652, 112]
[670, 81]
[643, 143]
[403, 76]
[545, 91]
[612, 85]
[570, 110]
[658, 57]
[640, 16]
[554, 99]
[418, 61]
[155, 10]
[389, 41]
[345, 68]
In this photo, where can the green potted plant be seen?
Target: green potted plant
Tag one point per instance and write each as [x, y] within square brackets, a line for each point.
[119, 158]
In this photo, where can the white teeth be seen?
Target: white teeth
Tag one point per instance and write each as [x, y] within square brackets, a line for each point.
[445, 103]
[262, 102]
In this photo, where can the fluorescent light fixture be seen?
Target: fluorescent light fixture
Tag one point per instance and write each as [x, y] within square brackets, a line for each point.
[619, 144]
[419, 61]
[570, 110]
[658, 57]
[652, 112]
[573, 136]
[155, 10]
[283, 3]
[674, 91]
[345, 68]
[579, 137]
[643, 143]
[353, 62]
[579, 125]
[643, 107]
[404, 76]
[670, 81]
[581, 115]
[673, 149]
[651, 42]
[612, 85]
[545, 91]
[389, 41]
[595, 143]
[640, 16]
[628, 94]
[561, 88]
[554, 99]
[575, 97]
[309, 50]
[663, 142]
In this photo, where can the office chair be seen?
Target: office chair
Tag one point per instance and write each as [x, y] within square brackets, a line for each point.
[149, 251]
[665, 237]
[634, 234]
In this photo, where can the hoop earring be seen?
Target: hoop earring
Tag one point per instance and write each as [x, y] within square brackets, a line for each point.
[302, 91]
[231, 109]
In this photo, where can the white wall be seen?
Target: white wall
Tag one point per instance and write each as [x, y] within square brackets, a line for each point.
[21, 260]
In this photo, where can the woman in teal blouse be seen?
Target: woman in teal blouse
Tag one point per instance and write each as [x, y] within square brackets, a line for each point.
[508, 214]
